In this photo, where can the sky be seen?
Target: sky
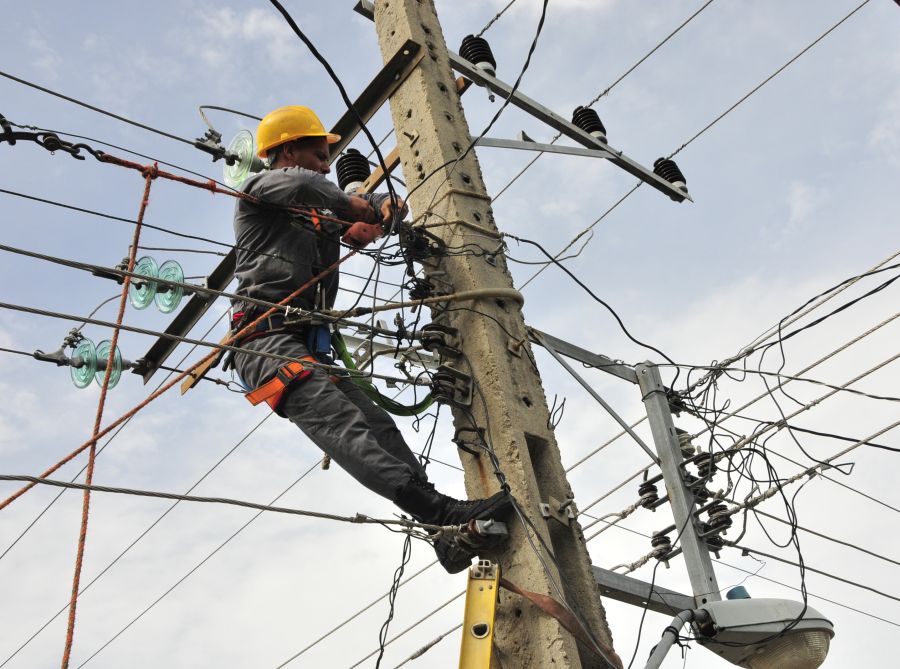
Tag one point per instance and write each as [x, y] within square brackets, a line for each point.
[795, 190]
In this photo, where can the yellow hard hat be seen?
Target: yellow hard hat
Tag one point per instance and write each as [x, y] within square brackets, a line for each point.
[286, 124]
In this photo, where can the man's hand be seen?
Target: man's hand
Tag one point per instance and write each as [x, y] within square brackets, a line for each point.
[360, 235]
[387, 211]
[360, 210]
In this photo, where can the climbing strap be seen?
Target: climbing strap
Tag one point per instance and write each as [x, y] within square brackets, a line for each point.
[567, 619]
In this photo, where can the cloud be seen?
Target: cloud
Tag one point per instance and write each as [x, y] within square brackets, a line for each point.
[46, 59]
[224, 30]
[803, 201]
[884, 138]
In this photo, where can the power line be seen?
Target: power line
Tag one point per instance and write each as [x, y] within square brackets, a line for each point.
[112, 217]
[605, 92]
[817, 571]
[117, 148]
[779, 425]
[97, 109]
[351, 618]
[703, 130]
[767, 79]
[414, 625]
[495, 18]
[357, 519]
[827, 537]
[198, 565]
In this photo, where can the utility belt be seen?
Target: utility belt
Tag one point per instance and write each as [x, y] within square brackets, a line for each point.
[317, 339]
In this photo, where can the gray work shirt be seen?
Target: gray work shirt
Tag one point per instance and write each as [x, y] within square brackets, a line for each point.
[278, 250]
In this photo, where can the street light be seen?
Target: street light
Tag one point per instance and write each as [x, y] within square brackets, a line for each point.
[755, 633]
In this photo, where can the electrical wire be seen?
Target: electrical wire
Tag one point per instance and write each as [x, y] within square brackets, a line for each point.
[821, 572]
[198, 565]
[706, 128]
[495, 18]
[357, 519]
[97, 109]
[408, 629]
[358, 613]
[827, 537]
[767, 80]
[93, 140]
[605, 92]
[824, 599]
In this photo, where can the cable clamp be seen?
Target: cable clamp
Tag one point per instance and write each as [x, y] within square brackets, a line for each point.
[452, 387]
[442, 340]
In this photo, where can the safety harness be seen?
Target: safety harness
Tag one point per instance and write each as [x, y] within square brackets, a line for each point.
[318, 340]
[272, 391]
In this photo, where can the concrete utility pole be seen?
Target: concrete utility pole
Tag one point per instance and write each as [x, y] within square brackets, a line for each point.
[508, 400]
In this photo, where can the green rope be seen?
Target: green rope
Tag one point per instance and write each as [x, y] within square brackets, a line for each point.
[386, 403]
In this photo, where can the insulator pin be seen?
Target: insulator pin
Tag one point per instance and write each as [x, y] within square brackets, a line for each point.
[588, 120]
[477, 51]
[352, 170]
[697, 487]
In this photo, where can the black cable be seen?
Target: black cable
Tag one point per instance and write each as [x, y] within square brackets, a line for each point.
[97, 109]
[197, 566]
[596, 298]
[131, 221]
[346, 98]
[825, 599]
[819, 571]
[392, 597]
[644, 610]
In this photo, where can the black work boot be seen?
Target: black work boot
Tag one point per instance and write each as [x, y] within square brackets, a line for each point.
[420, 499]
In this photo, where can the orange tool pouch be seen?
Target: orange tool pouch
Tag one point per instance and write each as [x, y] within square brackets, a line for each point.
[272, 390]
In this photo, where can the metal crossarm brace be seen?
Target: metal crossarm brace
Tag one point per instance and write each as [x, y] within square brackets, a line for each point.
[555, 121]
[595, 360]
[633, 591]
[478, 620]
[621, 421]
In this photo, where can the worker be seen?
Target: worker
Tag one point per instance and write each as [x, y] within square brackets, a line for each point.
[279, 251]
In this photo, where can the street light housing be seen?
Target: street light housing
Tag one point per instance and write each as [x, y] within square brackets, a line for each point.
[751, 633]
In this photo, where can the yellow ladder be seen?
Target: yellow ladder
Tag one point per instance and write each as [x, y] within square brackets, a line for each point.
[478, 621]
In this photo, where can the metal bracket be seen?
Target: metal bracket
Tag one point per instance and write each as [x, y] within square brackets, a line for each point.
[529, 145]
[477, 534]
[452, 387]
[562, 512]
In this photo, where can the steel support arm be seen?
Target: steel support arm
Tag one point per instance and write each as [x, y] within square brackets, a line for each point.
[696, 553]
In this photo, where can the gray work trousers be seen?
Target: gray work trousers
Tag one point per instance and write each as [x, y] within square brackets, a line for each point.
[338, 418]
